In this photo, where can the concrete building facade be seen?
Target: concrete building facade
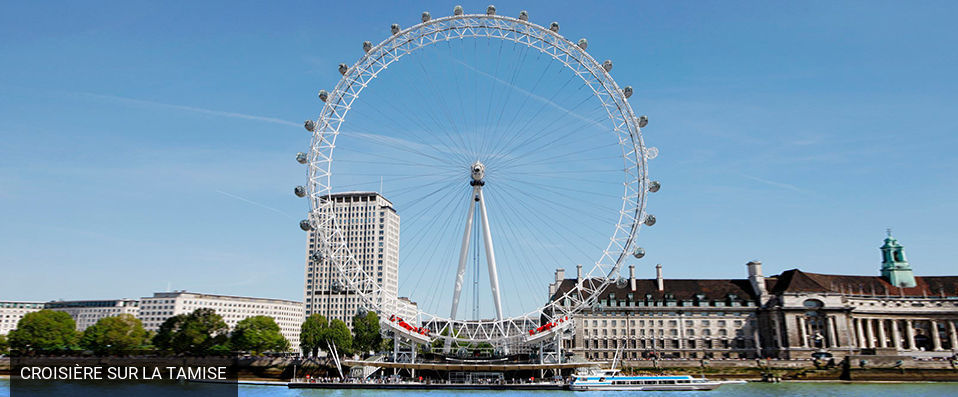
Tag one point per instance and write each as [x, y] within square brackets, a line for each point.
[11, 312]
[87, 313]
[288, 315]
[370, 225]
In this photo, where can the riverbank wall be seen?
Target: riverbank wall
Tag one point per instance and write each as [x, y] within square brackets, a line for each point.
[858, 368]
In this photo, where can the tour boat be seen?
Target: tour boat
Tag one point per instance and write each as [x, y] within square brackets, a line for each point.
[610, 379]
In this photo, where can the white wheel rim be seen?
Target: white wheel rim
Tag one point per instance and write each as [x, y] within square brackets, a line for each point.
[405, 42]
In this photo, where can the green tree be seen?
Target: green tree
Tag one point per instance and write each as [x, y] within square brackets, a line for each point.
[338, 334]
[386, 344]
[440, 344]
[312, 334]
[200, 332]
[163, 339]
[4, 346]
[482, 348]
[114, 334]
[258, 334]
[44, 330]
[148, 345]
[366, 334]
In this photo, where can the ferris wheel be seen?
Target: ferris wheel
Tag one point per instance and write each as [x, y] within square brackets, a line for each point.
[507, 150]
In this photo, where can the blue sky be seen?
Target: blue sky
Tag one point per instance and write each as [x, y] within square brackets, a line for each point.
[148, 144]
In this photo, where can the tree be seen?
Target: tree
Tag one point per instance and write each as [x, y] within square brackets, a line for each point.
[163, 339]
[4, 346]
[338, 335]
[439, 343]
[114, 334]
[482, 348]
[200, 332]
[366, 335]
[258, 334]
[386, 344]
[44, 330]
[312, 334]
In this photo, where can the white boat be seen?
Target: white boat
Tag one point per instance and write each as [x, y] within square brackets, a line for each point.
[611, 380]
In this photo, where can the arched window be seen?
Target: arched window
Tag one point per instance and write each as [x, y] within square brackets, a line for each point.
[813, 304]
[814, 323]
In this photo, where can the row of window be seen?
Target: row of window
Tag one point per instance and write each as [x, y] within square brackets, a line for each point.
[675, 343]
[661, 323]
[645, 355]
[18, 305]
[672, 332]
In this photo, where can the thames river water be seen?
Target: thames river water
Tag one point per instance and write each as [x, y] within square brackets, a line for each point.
[747, 390]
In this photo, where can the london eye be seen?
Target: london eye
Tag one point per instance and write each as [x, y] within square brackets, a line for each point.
[507, 149]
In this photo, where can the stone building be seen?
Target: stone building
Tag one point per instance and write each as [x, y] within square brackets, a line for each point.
[897, 313]
[666, 319]
[791, 315]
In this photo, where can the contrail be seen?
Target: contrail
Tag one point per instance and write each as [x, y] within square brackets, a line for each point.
[776, 184]
[255, 203]
[530, 94]
[190, 109]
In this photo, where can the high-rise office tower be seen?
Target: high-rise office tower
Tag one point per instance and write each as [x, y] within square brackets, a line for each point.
[370, 227]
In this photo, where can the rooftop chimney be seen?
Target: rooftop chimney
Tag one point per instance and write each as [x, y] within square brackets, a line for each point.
[658, 277]
[632, 277]
[553, 288]
[757, 280]
[578, 277]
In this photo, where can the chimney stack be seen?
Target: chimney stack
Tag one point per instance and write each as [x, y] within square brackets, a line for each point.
[658, 277]
[757, 280]
[578, 277]
[632, 277]
[560, 277]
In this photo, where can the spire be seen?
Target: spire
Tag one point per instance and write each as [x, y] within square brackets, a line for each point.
[895, 267]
